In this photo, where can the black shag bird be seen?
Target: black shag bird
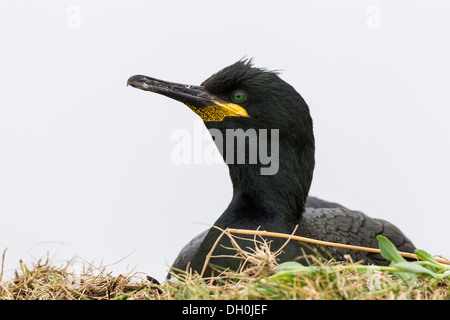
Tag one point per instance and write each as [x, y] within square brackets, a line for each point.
[242, 96]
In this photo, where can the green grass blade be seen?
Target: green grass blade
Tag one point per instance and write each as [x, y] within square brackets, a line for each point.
[291, 269]
[289, 266]
[415, 268]
[422, 254]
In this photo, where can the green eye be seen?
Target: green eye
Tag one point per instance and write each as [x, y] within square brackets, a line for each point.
[238, 96]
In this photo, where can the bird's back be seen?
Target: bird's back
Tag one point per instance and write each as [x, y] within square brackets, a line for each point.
[341, 225]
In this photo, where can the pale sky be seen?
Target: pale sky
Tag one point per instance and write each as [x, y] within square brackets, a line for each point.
[85, 162]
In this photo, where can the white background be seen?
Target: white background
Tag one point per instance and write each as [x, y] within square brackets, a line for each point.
[85, 162]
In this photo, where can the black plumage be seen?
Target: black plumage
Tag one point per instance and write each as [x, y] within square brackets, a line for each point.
[277, 202]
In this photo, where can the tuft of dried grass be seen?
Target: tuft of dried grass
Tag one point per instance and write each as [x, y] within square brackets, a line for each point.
[43, 281]
[257, 278]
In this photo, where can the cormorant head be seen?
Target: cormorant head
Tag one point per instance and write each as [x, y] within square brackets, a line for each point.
[242, 96]
[238, 96]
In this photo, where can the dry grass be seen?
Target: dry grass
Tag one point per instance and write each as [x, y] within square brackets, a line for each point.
[43, 281]
[259, 278]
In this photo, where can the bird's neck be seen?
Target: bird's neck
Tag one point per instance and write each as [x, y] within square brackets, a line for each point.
[259, 200]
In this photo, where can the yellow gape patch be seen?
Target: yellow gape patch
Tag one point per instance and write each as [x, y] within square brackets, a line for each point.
[218, 111]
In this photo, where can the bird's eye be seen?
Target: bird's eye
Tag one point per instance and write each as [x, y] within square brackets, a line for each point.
[238, 96]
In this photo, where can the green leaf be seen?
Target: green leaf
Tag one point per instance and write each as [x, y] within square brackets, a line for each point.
[415, 268]
[388, 250]
[422, 254]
